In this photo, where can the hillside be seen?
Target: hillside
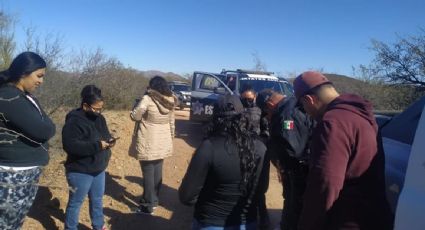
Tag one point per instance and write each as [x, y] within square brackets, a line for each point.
[168, 75]
[346, 84]
[384, 97]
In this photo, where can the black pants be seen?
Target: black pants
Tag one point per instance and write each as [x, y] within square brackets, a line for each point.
[152, 181]
[294, 182]
[264, 185]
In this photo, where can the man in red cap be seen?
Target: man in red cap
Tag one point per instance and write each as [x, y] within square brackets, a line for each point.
[345, 186]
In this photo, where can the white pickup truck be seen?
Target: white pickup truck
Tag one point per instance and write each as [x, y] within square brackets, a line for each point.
[404, 147]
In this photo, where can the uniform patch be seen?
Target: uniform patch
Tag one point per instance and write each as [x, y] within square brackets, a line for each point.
[288, 125]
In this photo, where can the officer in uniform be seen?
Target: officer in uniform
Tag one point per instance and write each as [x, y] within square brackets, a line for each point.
[290, 131]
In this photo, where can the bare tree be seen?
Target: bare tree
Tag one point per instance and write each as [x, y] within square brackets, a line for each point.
[120, 85]
[50, 47]
[402, 62]
[7, 43]
[259, 64]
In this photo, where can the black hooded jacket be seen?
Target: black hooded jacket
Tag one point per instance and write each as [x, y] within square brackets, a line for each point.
[24, 129]
[81, 136]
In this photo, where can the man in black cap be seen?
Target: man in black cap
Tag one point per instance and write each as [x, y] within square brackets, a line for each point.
[290, 131]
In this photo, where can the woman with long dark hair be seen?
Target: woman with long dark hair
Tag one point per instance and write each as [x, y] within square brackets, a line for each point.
[87, 142]
[223, 177]
[24, 131]
[153, 138]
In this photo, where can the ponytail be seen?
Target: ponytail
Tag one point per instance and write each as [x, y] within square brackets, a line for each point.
[4, 77]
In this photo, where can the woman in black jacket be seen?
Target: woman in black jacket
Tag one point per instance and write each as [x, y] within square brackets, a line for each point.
[24, 131]
[223, 177]
[87, 142]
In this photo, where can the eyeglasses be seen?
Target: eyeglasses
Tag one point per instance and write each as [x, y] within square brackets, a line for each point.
[97, 110]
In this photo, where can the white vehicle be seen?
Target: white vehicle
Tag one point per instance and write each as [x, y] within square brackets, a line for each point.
[404, 147]
[182, 92]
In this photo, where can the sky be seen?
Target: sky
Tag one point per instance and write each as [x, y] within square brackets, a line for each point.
[183, 36]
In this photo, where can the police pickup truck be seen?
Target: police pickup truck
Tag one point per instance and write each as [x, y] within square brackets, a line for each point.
[181, 91]
[207, 87]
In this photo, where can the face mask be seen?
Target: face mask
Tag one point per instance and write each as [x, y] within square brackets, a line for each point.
[248, 102]
[92, 115]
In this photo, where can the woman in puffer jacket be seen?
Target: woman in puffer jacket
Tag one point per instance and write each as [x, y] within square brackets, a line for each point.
[153, 138]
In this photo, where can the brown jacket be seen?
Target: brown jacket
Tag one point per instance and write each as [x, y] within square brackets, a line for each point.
[154, 131]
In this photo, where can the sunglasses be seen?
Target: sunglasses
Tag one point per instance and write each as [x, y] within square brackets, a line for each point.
[97, 110]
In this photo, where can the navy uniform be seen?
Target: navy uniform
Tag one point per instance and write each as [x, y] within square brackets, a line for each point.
[290, 131]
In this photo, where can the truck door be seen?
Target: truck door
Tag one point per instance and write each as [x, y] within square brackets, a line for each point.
[206, 88]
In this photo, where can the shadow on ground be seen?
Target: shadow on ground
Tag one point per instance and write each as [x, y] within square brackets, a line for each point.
[192, 133]
[181, 216]
[46, 208]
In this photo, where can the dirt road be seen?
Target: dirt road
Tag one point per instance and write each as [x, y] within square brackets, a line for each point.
[123, 183]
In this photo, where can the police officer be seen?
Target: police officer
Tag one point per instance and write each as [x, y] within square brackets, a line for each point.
[259, 125]
[290, 131]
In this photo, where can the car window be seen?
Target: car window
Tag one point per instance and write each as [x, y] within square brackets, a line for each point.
[259, 85]
[181, 88]
[287, 88]
[209, 83]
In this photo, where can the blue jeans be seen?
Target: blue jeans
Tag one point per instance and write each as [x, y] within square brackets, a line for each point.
[196, 225]
[83, 184]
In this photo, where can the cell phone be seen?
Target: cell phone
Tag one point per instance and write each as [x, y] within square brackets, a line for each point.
[113, 140]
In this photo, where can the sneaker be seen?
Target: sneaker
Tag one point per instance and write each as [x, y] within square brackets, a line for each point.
[144, 210]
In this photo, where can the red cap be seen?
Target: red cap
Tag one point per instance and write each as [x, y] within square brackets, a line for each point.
[307, 81]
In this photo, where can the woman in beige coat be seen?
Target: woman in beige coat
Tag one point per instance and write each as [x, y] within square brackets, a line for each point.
[153, 138]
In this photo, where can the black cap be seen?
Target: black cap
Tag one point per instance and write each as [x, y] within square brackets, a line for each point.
[262, 98]
[228, 105]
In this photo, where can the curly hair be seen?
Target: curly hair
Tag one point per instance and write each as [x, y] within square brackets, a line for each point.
[159, 84]
[236, 129]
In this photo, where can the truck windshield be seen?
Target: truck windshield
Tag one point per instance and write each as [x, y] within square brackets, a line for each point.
[261, 84]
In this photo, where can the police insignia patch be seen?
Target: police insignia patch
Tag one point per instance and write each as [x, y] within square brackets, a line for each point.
[288, 124]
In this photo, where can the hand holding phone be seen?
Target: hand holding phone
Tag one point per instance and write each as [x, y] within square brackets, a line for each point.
[112, 141]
